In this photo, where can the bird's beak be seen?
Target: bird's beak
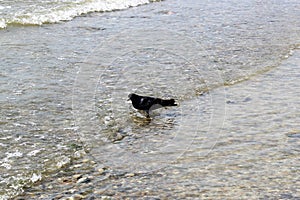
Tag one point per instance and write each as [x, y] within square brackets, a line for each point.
[128, 99]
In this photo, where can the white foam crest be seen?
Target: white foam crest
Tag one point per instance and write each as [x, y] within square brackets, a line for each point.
[67, 12]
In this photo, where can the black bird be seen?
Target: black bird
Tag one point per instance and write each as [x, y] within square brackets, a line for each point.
[149, 103]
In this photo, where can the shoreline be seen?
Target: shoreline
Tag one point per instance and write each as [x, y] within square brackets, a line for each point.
[64, 87]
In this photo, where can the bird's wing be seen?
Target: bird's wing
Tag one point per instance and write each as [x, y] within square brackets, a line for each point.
[146, 102]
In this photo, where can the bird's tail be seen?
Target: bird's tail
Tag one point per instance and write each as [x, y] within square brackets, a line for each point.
[169, 102]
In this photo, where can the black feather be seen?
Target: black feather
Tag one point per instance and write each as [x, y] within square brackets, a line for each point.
[149, 103]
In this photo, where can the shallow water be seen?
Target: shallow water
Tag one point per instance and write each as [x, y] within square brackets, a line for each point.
[64, 111]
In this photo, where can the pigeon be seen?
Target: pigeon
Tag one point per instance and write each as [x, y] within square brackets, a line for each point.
[149, 103]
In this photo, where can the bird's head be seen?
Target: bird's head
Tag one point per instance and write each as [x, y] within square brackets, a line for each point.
[130, 96]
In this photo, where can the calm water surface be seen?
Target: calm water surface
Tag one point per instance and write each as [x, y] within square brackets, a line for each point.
[67, 128]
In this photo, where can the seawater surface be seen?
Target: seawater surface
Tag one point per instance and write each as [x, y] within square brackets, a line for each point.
[67, 128]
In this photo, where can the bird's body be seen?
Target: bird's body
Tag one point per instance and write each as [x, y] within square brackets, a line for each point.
[149, 103]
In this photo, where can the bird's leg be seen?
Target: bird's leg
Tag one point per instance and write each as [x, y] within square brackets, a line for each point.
[147, 112]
